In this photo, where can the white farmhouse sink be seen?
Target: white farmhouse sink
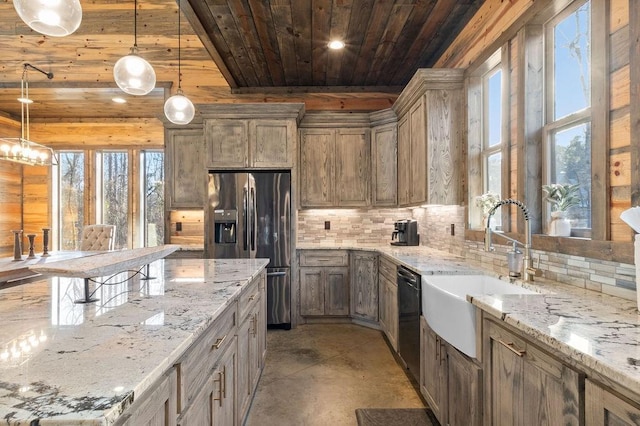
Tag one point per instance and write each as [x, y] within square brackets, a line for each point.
[445, 306]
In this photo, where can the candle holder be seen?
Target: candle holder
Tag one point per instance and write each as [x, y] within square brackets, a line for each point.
[32, 238]
[17, 245]
[45, 242]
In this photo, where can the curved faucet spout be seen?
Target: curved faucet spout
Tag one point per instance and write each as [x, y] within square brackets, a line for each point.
[528, 271]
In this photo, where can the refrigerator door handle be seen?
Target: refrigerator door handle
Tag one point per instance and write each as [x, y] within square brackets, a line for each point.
[276, 274]
[252, 197]
[245, 218]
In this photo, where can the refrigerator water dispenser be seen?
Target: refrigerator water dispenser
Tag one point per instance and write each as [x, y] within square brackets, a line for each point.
[225, 223]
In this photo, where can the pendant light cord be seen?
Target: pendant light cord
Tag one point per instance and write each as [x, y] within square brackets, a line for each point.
[135, 23]
[179, 46]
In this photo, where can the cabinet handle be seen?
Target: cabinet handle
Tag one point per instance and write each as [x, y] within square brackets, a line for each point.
[254, 320]
[252, 297]
[223, 383]
[218, 343]
[219, 380]
[512, 348]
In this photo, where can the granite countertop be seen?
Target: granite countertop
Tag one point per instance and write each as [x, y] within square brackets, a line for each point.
[423, 260]
[599, 331]
[80, 364]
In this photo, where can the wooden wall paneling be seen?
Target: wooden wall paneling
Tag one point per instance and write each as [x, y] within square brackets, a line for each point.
[36, 193]
[10, 204]
[620, 129]
[619, 16]
[620, 201]
[530, 119]
[619, 48]
[634, 93]
[619, 92]
[600, 213]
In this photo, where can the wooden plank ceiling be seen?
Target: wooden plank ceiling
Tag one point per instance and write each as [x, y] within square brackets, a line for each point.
[283, 43]
[266, 49]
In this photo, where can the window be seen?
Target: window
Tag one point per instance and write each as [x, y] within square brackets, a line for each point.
[568, 108]
[487, 144]
[70, 184]
[114, 194]
[153, 200]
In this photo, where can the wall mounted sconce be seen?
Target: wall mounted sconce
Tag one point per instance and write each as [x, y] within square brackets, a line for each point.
[56, 18]
[23, 150]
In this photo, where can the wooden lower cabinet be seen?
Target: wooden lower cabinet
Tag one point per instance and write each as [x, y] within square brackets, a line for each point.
[215, 403]
[450, 382]
[250, 346]
[324, 291]
[604, 408]
[433, 371]
[388, 310]
[157, 408]
[525, 385]
[364, 285]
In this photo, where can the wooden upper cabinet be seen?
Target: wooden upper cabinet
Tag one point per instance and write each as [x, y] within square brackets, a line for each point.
[317, 163]
[444, 113]
[227, 143]
[251, 135]
[353, 167]
[418, 147]
[272, 143]
[184, 169]
[384, 173]
[431, 119]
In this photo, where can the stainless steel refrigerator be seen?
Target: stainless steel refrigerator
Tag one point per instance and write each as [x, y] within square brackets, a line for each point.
[249, 216]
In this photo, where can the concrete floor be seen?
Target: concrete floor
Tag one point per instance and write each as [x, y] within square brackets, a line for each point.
[317, 375]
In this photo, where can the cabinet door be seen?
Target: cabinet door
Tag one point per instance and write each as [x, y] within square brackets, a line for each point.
[603, 408]
[392, 313]
[404, 161]
[185, 171]
[353, 168]
[227, 143]
[317, 158]
[157, 407]
[443, 142]
[336, 291]
[312, 291]
[245, 337]
[433, 371]
[463, 390]
[384, 162]
[271, 143]
[364, 286]
[418, 160]
[199, 412]
[525, 384]
[224, 401]
[382, 304]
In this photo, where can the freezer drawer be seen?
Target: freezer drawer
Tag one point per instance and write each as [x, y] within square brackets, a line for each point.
[279, 297]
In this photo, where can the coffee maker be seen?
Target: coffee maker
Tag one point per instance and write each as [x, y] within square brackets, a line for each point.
[405, 233]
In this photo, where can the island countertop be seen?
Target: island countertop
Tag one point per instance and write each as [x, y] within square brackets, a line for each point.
[78, 364]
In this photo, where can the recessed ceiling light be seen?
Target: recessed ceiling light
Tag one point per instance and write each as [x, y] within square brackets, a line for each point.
[119, 100]
[336, 44]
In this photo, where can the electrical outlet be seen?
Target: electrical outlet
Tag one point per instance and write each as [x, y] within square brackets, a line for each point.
[453, 229]
[178, 226]
[327, 224]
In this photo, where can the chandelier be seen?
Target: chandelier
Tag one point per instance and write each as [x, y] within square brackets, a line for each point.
[22, 150]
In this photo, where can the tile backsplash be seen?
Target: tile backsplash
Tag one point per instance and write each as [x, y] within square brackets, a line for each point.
[434, 227]
[348, 226]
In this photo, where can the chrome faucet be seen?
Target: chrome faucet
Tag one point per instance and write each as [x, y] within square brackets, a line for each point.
[528, 270]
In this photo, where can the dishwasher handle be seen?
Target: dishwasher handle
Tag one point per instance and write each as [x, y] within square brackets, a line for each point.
[407, 276]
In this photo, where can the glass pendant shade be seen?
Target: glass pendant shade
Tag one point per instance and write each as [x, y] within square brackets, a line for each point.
[179, 109]
[134, 75]
[56, 18]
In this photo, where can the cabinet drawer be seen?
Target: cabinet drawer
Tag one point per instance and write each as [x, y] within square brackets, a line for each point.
[324, 258]
[249, 297]
[387, 269]
[200, 358]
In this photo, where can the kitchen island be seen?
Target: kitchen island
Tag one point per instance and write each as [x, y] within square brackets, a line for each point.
[66, 363]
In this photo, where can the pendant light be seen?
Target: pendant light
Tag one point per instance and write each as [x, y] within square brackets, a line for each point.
[56, 18]
[178, 108]
[132, 73]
